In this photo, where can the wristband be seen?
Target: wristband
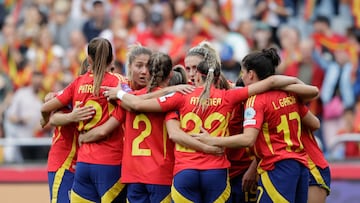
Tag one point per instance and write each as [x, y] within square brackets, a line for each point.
[120, 94]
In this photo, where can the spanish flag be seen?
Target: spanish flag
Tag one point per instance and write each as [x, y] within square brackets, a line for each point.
[8, 62]
[309, 7]
[226, 9]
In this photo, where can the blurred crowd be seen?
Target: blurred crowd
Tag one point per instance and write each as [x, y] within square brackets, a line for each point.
[43, 43]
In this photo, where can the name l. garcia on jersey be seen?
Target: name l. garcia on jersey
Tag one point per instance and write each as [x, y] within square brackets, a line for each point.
[286, 101]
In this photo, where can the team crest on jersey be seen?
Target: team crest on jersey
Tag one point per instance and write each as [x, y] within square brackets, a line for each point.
[249, 113]
[163, 98]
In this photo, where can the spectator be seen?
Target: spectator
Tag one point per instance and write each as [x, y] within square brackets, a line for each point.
[136, 21]
[12, 55]
[22, 121]
[336, 94]
[156, 37]
[221, 35]
[246, 29]
[290, 53]
[229, 66]
[263, 37]
[76, 54]
[43, 54]
[309, 72]
[274, 13]
[30, 27]
[61, 24]
[98, 20]
[188, 38]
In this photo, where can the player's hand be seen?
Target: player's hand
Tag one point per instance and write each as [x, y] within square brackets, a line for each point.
[249, 180]
[183, 89]
[215, 150]
[43, 122]
[45, 117]
[204, 137]
[82, 113]
[111, 92]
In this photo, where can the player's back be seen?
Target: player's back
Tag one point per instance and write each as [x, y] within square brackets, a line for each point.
[279, 138]
[80, 93]
[147, 143]
[214, 119]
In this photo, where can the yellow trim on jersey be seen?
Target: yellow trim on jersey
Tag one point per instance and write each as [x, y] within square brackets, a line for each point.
[59, 135]
[70, 157]
[167, 199]
[265, 130]
[165, 136]
[226, 194]
[120, 77]
[113, 192]
[274, 195]
[75, 198]
[178, 197]
[250, 101]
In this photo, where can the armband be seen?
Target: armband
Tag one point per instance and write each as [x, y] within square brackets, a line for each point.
[120, 94]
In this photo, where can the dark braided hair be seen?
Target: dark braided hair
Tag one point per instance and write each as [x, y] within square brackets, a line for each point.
[160, 66]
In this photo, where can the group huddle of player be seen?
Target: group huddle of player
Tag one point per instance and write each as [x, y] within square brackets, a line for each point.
[149, 137]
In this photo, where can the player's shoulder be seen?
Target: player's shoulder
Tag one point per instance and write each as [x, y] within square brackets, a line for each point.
[121, 78]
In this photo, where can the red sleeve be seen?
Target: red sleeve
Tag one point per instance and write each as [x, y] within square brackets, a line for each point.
[65, 96]
[171, 101]
[172, 115]
[254, 113]
[119, 114]
[237, 95]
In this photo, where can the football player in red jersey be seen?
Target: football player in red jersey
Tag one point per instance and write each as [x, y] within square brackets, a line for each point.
[273, 125]
[98, 172]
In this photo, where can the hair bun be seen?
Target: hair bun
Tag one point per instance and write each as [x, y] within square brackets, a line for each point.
[272, 54]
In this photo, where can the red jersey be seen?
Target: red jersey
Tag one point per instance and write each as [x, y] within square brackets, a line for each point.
[240, 158]
[64, 146]
[147, 144]
[276, 115]
[109, 150]
[310, 145]
[214, 119]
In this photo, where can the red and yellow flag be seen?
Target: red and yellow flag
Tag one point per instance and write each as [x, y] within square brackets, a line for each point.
[309, 7]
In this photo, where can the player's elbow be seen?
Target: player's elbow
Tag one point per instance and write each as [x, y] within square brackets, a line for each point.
[314, 92]
[316, 124]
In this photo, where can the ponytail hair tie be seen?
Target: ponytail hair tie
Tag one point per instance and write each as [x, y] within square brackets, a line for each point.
[211, 70]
